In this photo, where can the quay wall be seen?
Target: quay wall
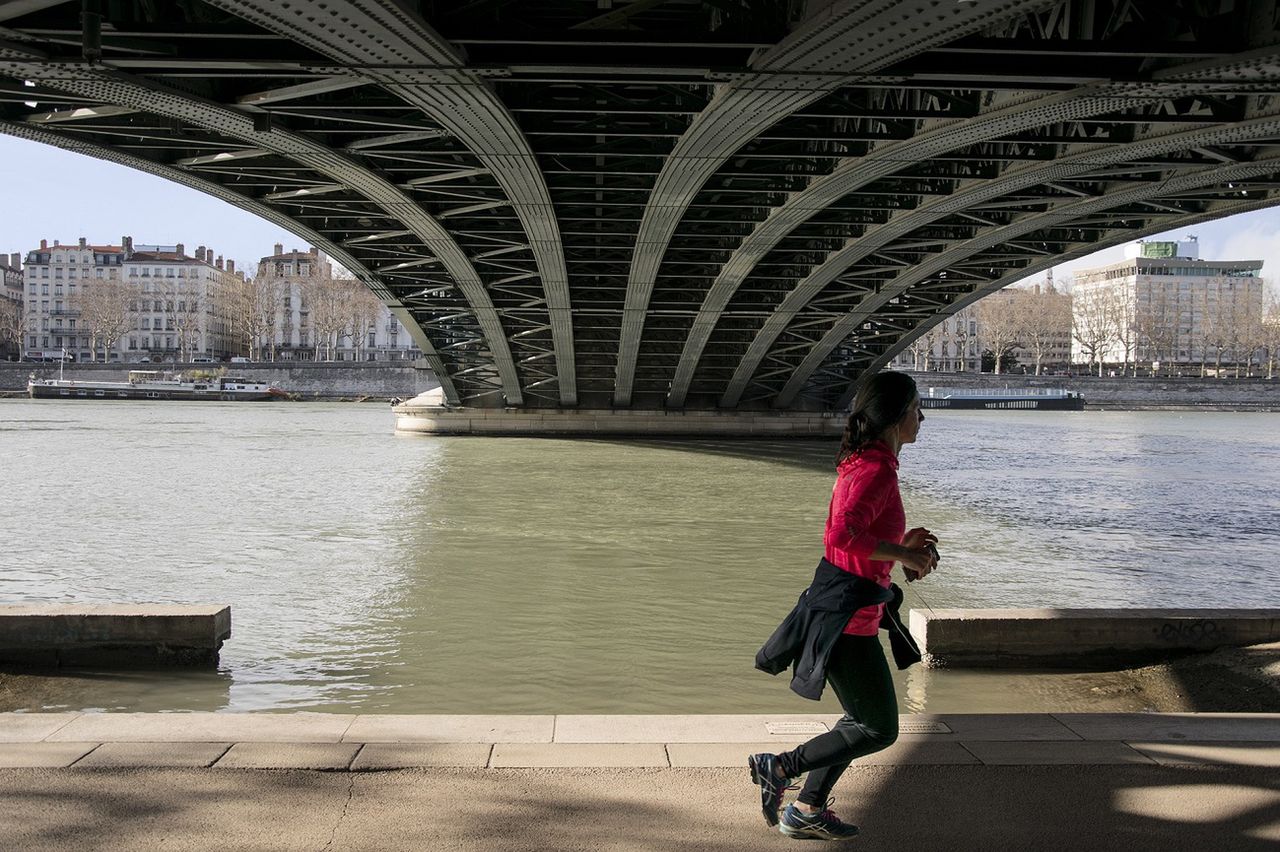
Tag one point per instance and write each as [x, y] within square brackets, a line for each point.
[1129, 393]
[309, 380]
[1082, 638]
[341, 380]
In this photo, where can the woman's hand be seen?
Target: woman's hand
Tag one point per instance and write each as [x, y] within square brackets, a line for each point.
[917, 538]
[918, 562]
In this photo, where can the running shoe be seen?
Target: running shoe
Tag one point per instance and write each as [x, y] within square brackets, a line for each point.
[823, 825]
[764, 772]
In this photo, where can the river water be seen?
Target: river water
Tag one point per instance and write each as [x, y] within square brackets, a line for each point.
[382, 573]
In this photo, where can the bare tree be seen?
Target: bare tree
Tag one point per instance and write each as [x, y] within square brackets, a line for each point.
[1215, 331]
[1092, 324]
[362, 310]
[183, 305]
[999, 325]
[1242, 316]
[1156, 320]
[324, 299]
[106, 311]
[1043, 316]
[13, 323]
[1123, 325]
[250, 305]
[964, 319]
[1270, 332]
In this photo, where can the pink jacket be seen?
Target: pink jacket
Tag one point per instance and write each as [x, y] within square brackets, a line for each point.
[866, 509]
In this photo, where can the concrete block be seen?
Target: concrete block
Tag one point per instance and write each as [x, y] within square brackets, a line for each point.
[375, 756]
[1000, 637]
[170, 755]
[31, 727]
[205, 727]
[1174, 727]
[447, 729]
[42, 755]
[96, 634]
[1215, 754]
[330, 756]
[520, 755]
[1078, 753]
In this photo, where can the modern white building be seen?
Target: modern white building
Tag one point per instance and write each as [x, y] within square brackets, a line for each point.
[291, 278]
[1164, 305]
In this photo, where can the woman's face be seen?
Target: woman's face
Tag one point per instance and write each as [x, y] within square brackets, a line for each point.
[909, 425]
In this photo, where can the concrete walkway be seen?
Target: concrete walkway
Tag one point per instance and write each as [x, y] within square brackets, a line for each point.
[311, 781]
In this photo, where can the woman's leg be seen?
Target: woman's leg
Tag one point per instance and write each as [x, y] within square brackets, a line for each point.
[859, 674]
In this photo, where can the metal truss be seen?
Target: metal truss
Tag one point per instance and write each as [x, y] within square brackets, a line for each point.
[671, 202]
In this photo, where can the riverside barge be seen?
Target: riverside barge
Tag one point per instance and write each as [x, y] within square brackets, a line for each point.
[156, 385]
[1027, 399]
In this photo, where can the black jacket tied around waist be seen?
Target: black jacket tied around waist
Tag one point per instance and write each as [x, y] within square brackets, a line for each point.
[807, 635]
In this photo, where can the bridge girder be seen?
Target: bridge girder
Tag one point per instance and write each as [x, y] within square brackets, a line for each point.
[673, 203]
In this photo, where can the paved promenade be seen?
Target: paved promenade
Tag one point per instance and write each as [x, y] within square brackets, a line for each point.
[328, 782]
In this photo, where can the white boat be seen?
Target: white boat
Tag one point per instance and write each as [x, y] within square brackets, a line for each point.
[156, 385]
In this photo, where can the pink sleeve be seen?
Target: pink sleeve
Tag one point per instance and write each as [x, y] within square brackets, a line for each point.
[858, 501]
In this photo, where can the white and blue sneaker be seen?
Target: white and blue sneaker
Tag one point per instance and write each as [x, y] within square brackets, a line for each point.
[764, 772]
[823, 825]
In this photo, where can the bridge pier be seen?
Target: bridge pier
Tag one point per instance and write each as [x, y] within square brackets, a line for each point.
[441, 420]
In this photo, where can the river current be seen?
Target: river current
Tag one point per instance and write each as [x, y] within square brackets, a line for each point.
[382, 573]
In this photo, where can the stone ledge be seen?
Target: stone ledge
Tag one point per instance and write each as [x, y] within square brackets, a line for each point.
[1076, 637]
[51, 635]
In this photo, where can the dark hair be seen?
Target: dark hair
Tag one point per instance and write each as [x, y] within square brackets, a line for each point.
[881, 402]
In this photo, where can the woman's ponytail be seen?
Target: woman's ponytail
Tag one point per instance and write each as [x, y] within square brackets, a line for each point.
[881, 402]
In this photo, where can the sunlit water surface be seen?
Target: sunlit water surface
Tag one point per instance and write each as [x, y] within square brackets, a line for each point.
[373, 572]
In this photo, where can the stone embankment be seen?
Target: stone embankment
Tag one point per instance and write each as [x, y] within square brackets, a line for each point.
[307, 380]
[1130, 393]
[381, 380]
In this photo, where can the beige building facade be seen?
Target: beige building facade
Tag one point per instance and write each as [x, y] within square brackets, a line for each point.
[295, 331]
[171, 300]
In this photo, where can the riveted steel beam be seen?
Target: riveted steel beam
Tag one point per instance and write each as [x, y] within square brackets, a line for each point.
[1257, 68]
[189, 179]
[806, 66]
[404, 55]
[117, 88]
[879, 238]
[1063, 215]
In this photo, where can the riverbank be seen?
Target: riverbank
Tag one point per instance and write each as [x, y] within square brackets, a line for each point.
[381, 381]
[1129, 393]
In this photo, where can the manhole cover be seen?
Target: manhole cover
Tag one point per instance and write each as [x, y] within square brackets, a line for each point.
[783, 728]
[916, 726]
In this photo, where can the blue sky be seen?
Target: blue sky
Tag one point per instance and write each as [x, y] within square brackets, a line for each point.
[54, 194]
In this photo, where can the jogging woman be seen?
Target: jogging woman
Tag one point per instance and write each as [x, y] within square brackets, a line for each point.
[866, 533]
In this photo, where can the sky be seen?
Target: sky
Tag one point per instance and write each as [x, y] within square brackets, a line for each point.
[53, 194]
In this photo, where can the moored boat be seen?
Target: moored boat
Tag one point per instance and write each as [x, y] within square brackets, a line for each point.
[1027, 399]
[156, 385]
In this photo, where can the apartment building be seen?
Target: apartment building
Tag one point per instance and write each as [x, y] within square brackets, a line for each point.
[11, 315]
[124, 302]
[293, 280]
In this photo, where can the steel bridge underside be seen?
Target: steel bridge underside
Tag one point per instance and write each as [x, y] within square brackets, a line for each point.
[671, 203]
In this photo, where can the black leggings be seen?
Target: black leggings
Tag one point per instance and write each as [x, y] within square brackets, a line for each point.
[859, 674]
